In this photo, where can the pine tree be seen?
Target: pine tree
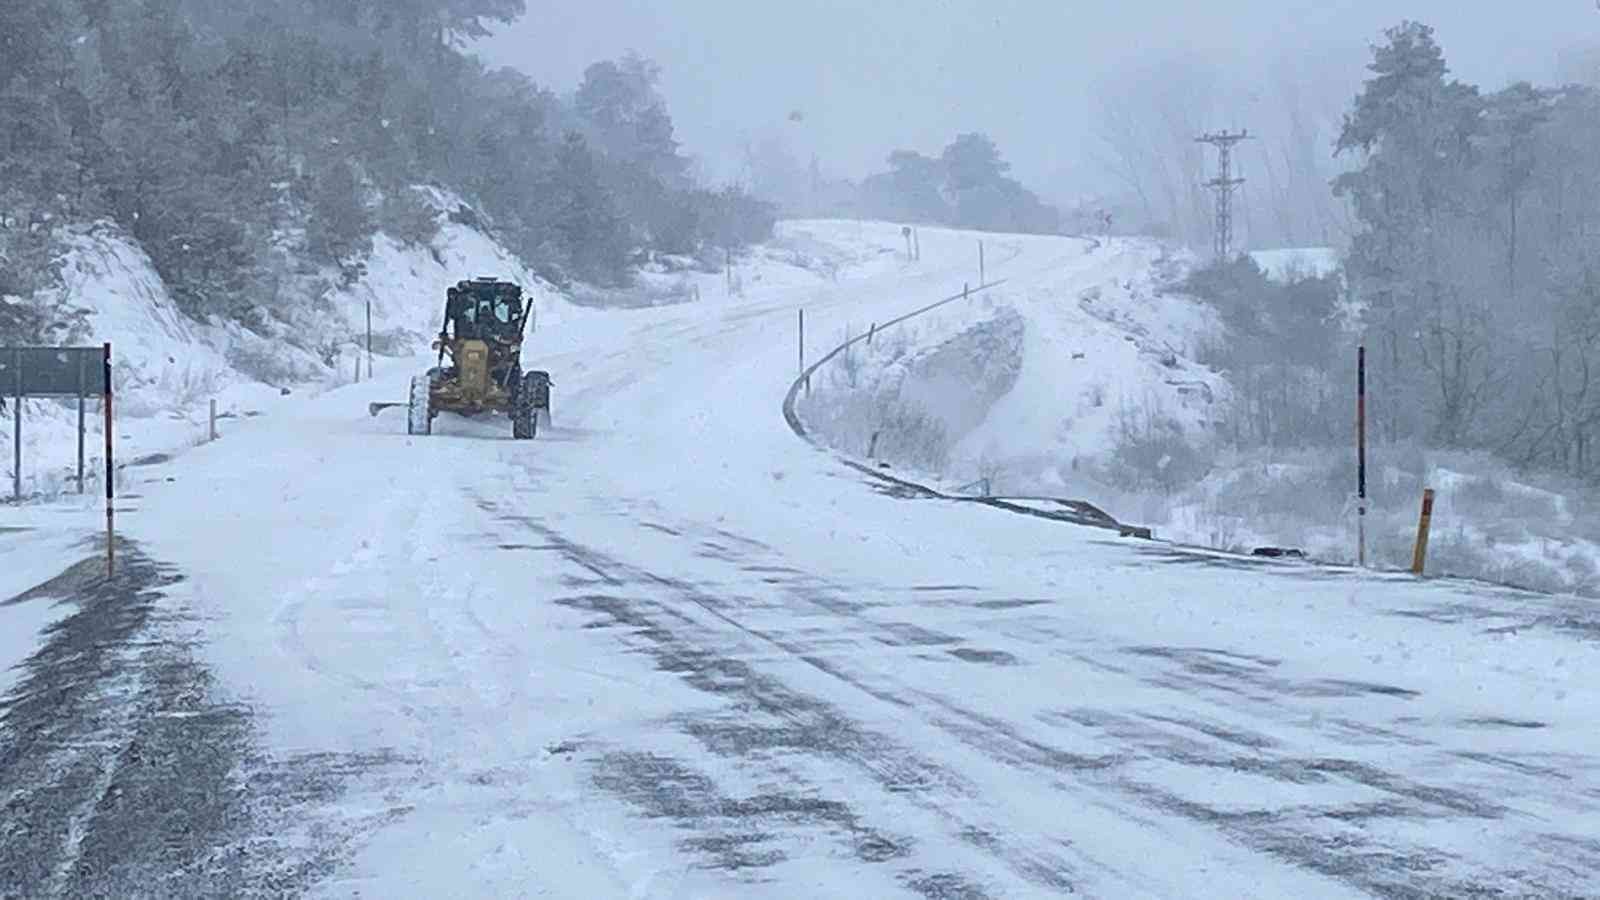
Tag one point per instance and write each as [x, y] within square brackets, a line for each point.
[590, 230]
[1414, 129]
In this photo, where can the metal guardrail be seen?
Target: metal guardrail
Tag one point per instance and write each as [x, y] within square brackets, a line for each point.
[1076, 512]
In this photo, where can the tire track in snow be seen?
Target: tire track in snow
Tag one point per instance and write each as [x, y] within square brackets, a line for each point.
[1383, 861]
[804, 725]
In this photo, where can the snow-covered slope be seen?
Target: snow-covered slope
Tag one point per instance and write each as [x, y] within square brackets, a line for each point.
[168, 366]
[1102, 349]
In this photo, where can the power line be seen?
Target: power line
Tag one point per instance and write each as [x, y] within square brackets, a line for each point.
[1224, 185]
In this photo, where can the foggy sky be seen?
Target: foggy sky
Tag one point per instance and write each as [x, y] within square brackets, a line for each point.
[873, 75]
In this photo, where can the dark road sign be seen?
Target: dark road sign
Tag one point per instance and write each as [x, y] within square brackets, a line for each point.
[52, 371]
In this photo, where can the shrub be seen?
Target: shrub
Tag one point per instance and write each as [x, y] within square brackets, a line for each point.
[1152, 452]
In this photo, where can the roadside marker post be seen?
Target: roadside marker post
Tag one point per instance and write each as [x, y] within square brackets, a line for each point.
[1419, 555]
[16, 435]
[111, 470]
[82, 380]
[1361, 456]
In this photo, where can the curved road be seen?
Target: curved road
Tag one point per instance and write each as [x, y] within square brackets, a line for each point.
[668, 650]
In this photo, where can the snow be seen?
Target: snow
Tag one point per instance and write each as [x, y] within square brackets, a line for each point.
[669, 650]
[1285, 263]
[27, 560]
[1103, 345]
[168, 367]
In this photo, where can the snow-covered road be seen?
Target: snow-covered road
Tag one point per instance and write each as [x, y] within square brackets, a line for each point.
[668, 650]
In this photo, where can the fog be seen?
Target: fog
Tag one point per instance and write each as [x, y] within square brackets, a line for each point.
[1035, 75]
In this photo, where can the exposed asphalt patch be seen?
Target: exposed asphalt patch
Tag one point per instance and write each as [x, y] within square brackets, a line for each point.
[1010, 604]
[902, 634]
[735, 833]
[1498, 722]
[992, 657]
[1229, 735]
[946, 886]
[124, 772]
[1240, 674]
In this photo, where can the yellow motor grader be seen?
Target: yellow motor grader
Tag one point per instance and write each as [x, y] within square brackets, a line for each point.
[480, 362]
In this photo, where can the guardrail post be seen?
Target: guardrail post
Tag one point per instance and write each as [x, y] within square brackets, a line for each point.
[980, 263]
[1420, 554]
[213, 429]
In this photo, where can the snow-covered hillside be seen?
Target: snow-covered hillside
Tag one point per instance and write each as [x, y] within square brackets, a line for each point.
[1089, 348]
[168, 366]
